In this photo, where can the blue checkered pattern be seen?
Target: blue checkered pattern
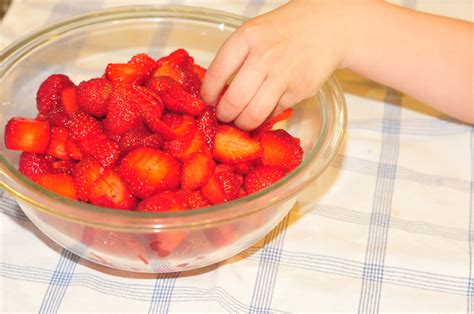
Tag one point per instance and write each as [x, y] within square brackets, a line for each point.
[388, 227]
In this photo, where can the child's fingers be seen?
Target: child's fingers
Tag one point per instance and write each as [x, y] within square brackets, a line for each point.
[241, 91]
[229, 58]
[261, 106]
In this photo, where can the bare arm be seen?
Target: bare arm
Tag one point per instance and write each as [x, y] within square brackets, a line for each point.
[284, 56]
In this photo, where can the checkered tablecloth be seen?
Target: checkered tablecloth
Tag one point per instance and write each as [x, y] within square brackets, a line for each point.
[388, 227]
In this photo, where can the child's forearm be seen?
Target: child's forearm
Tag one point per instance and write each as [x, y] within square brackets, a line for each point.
[425, 56]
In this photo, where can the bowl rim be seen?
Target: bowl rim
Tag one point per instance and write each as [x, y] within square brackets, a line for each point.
[277, 191]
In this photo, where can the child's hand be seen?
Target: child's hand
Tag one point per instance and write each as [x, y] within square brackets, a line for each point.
[278, 59]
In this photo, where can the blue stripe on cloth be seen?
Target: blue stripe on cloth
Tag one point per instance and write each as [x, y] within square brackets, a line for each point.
[162, 292]
[59, 282]
[470, 289]
[268, 268]
[380, 219]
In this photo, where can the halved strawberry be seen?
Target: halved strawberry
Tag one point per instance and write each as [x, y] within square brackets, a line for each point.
[245, 167]
[196, 171]
[233, 145]
[83, 125]
[103, 149]
[192, 83]
[223, 186]
[183, 147]
[28, 135]
[33, 164]
[72, 150]
[200, 71]
[172, 70]
[59, 183]
[280, 149]
[180, 101]
[163, 202]
[180, 124]
[58, 117]
[268, 124]
[163, 243]
[147, 63]
[180, 57]
[127, 73]
[195, 199]
[85, 174]
[262, 177]
[57, 144]
[48, 97]
[207, 122]
[92, 96]
[69, 100]
[139, 137]
[148, 171]
[110, 191]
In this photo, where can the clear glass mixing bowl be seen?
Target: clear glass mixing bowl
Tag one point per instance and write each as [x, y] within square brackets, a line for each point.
[135, 241]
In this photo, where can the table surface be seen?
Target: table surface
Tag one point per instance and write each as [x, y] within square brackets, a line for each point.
[388, 227]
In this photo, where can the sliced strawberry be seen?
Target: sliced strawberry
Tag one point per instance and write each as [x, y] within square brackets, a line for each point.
[92, 96]
[180, 57]
[64, 166]
[183, 147]
[262, 177]
[148, 171]
[127, 73]
[180, 101]
[103, 149]
[222, 235]
[48, 97]
[161, 83]
[72, 150]
[280, 149]
[207, 122]
[83, 125]
[164, 243]
[85, 174]
[195, 199]
[268, 125]
[139, 137]
[110, 191]
[57, 144]
[59, 183]
[233, 145]
[245, 167]
[69, 100]
[147, 63]
[223, 185]
[32, 164]
[172, 70]
[28, 135]
[196, 171]
[192, 83]
[181, 125]
[163, 202]
[200, 71]
[57, 117]
[151, 109]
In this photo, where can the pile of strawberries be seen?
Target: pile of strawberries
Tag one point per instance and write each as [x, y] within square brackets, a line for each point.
[140, 138]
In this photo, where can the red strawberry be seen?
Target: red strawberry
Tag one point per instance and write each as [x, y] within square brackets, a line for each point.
[222, 235]
[48, 97]
[151, 109]
[85, 174]
[72, 150]
[207, 122]
[59, 183]
[127, 73]
[145, 61]
[183, 147]
[268, 125]
[180, 57]
[57, 144]
[57, 117]
[161, 83]
[200, 71]
[69, 100]
[27, 135]
[64, 166]
[148, 171]
[32, 164]
[83, 125]
[180, 101]
[163, 202]
[280, 149]
[223, 186]
[139, 137]
[262, 177]
[233, 145]
[110, 191]
[103, 149]
[192, 83]
[92, 96]
[245, 167]
[181, 125]
[167, 68]
[197, 171]
[195, 199]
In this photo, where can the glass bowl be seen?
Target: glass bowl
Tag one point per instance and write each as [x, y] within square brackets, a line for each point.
[81, 47]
